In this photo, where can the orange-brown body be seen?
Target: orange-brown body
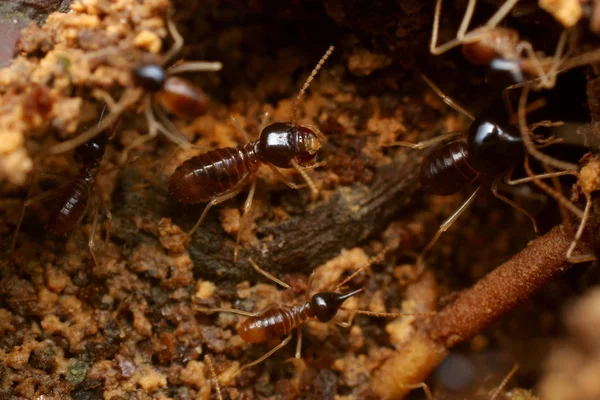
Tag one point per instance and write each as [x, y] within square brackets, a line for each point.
[497, 43]
[274, 323]
[214, 173]
[182, 98]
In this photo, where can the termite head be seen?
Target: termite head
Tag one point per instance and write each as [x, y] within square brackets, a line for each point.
[91, 151]
[281, 143]
[325, 305]
[151, 77]
[493, 147]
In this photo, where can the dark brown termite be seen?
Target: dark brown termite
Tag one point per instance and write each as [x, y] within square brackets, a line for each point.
[278, 321]
[68, 203]
[490, 151]
[221, 174]
[499, 47]
[163, 90]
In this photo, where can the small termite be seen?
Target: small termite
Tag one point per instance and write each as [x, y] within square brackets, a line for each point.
[163, 90]
[68, 203]
[278, 321]
[490, 151]
[499, 47]
[221, 174]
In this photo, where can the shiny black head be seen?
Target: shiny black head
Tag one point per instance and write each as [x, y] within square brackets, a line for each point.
[92, 151]
[493, 147]
[325, 305]
[151, 77]
[281, 143]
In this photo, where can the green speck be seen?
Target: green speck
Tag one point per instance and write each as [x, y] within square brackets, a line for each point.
[77, 372]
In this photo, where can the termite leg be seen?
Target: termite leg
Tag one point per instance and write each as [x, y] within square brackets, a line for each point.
[264, 121]
[267, 355]
[91, 241]
[212, 203]
[299, 343]
[513, 204]
[311, 184]
[510, 374]
[107, 213]
[177, 40]
[421, 385]
[227, 310]
[525, 134]
[28, 201]
[447, 99]
[559, 197]
[443, 228]
[195, 66]
[241, 131]
[169, 129]
[244, 219]
[128, 98]
[285, 179]
[429, 142]
[261, 271]
[584, 220]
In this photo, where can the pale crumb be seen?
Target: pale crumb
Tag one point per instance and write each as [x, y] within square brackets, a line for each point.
[230, 219]
[329, 274]
[56, 279]
[364, 62]
[149, 379]
[193, 374]
[589, 177]
[377, 302]
[226, 377]
[18, 357]
[11, 141]
[567, 12]
[205, 289]
[148, 41]
[15, 167]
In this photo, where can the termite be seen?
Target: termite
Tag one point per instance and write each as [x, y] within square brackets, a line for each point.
[68, 203]
[490, 151]
[221, 174]
[163, 90]
[279, 321]
[498, 47]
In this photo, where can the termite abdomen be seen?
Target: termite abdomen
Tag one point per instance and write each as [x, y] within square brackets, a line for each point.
[67, 206]
[446, 170]
[214, 173]
[274, 323]
[182, 98]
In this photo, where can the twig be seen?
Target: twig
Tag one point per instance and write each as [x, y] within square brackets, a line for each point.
[475, 309]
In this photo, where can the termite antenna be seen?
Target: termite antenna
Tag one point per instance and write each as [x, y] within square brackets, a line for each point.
[310, 79]
[507, 378]
[448, 100]
[389, 315]
[213, 375]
